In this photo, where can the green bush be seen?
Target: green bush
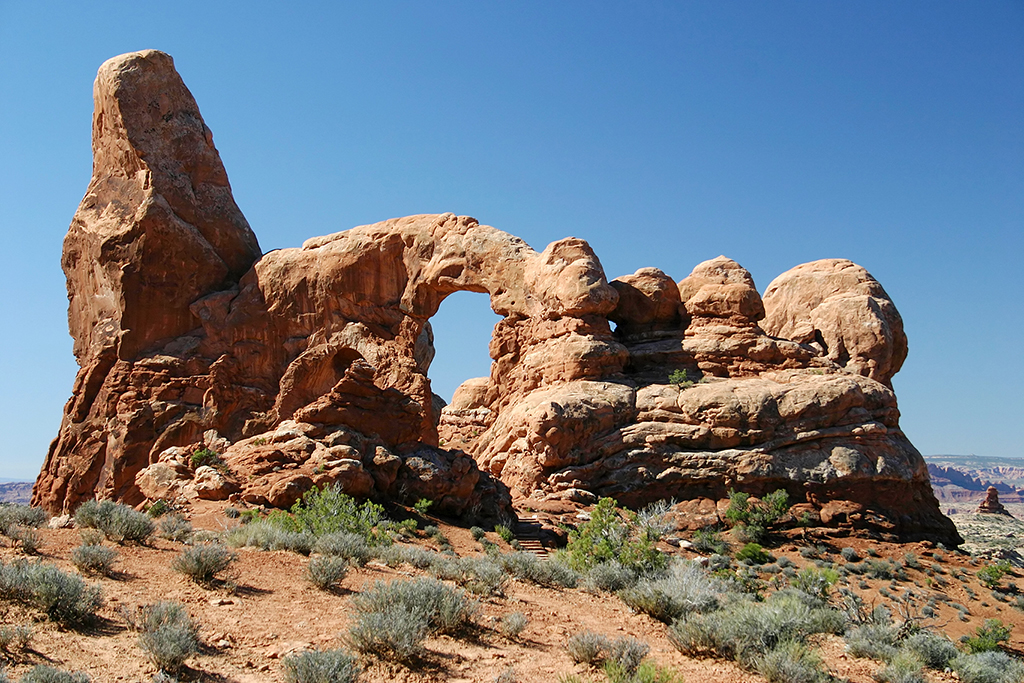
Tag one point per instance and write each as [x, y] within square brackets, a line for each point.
[608, 536]
[266, 535]
[446, 609]
[63, 597]
[13, 515]
[158, 508]
[202, 563]
[394, 633]
[41, 673]
[934, 650]
[988, 667]
[422, 505]
[206, 457]
[329, 510]
[610, 577]
[119, 523]
[873, 641]
[754, 521]
[816, 582]
[680, 378]
[175, 527]
[684, 589]
[477, 532]
[992, 575]
[753, 553]
[321, 666]
[791, 662]
[168, 635]
[93, 559]
[709, 541]
[482, 576]
[504, 533]
[587, 647]
[326, 572]
[988, 637]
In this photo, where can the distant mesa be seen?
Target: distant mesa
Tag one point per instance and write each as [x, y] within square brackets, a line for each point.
[309, 366]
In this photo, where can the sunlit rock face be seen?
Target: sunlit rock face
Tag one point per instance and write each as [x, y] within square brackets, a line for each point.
[305, 367]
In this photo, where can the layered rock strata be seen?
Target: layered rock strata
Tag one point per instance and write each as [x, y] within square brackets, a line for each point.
[308, 366]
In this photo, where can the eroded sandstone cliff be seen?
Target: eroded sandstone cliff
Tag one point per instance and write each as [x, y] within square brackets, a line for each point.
[309, 366]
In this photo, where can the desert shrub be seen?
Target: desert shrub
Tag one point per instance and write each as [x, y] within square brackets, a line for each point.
[527, 566]
[785, 562]
[873, 641]
[511, 625]
[41, 673]
[685, 588]
[326, 572]
[746, 631]
[13, 515]
[754, 521]
[507, 676]
[395, 633]
[791, 662]
[504, 533]
[167, 634]
[904, 667]
[815, 582]
[935, 651]
[265, 535]
[477, 533]
[482, 575]
[624, 656]
[119, 523]
[422, 505]
[93, 559]
[611, 535]
[329, 510]
[988, 667]
[992, 575]
[879, 569]
[987, 638]
[344, 544]
[321, 666]
[175, 527]
[158, 508]
[709, 541]
[232, 512]
[438, 536]
[30, 539]
[413, 555]
[753, 553]
[202, 562]
[14, 637]
[63, 597]
[587, 647]
[849, 554]
[910, 560]
[680, 378]
[609, 577]
[446, 609]
[647, 672]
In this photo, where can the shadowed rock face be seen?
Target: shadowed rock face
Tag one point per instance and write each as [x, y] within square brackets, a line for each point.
[304, 367]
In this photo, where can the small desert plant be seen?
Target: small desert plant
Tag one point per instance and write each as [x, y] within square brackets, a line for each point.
[849, 554]
[527, 566]
[477, 533]
[482, 576]
[394, 633]
[232, 512]
[992, 575]
[609, 577]
[30, 539]
[873, 641]
[587, 647]
[816, 582]
[504, 533]
[14, 637]
[13, 515]
[205, 457]
[685, 588]
[202, 562]
[444, 609]
[904, 667]
[709, 541]
[167, 634]
[265, 535]
[175, 527]
[326, 572]
[41, 673]
[159, 508]
[321, 666]
[93, 559]
[119, 523]
[422, 505]
[791, 662]
[511, 625]
[64, 597]
[329, 510]
[934, 650]
[624, 656]
[987, 638]
[507, 676]
[680, 378]
[988, 667]
[753, 553]
[349, 546]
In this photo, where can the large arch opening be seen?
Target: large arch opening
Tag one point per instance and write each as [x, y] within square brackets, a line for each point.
[462, 329]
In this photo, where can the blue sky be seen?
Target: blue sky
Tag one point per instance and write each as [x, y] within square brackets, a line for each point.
[664, 133]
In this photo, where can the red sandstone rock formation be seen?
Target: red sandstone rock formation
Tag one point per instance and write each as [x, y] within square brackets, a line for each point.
[308, 366]
[991, 504]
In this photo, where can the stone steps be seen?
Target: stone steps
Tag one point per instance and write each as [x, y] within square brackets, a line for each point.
[528, 535]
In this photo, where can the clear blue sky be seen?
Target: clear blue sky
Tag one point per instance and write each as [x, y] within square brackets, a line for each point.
[664, 133]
